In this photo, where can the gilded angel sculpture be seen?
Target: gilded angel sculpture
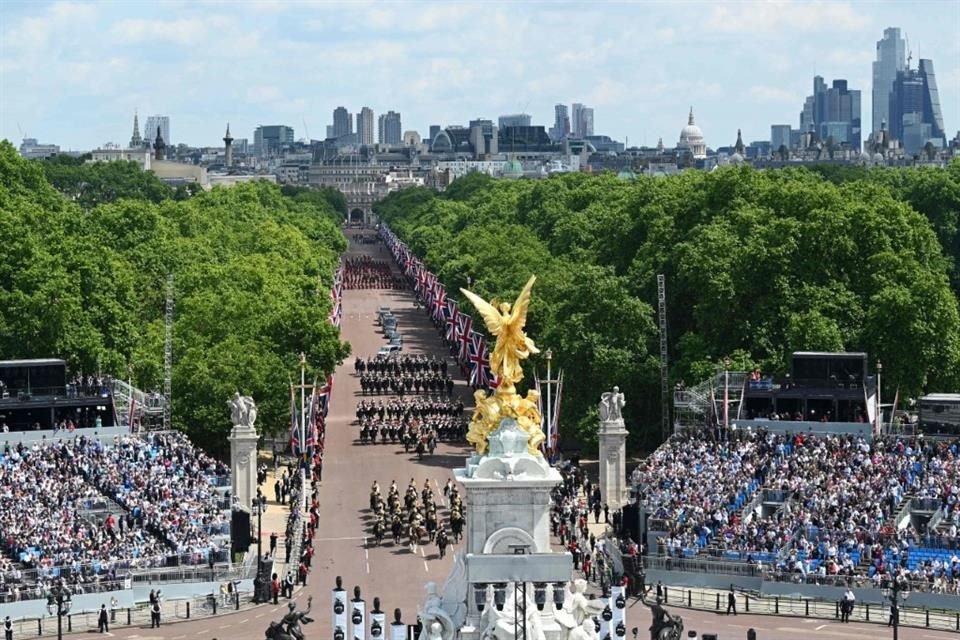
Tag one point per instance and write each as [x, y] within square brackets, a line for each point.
[506, 324]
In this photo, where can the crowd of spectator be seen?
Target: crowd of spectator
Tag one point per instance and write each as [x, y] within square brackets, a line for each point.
[364, 272]
[82, 510]
[828, 507]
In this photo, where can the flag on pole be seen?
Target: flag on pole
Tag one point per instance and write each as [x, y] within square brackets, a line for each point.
[312, 420]
[294, 424]
[555, 429]
[132, 412]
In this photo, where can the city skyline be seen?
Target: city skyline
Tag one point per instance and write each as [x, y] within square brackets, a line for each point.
[274, 62]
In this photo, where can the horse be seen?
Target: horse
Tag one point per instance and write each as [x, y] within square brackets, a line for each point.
[397, 529]
[378, 530]
[456, 527]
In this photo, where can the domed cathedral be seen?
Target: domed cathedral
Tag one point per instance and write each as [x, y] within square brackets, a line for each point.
[691, 138]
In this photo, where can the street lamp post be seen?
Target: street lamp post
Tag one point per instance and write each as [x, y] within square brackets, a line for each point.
[258, 509]
[59, 601]
[896, 593]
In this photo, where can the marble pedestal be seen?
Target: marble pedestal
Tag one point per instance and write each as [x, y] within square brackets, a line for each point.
[613, 463]
[243, 465]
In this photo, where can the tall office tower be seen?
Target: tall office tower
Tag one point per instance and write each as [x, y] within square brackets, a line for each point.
[434, 130]
[779, 137]
[342, 122]
[586, 121]
[365, 126]
[150, 130]
[891, 56]
[514, 120]
[561, 123]
[390, 129]
[269, 140]
[576, 124]
[833, 112]
[914, 109]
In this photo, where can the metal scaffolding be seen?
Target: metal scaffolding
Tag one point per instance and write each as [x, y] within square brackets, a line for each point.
[664, 362]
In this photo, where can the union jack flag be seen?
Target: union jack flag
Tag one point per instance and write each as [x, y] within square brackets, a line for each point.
[480, 374]
[439, 301]
[464, 322]
[451, 318]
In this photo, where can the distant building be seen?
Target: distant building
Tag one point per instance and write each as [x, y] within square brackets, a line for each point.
[136, 140]
[365, 126]
[269, 140]
[833, 113]
[390, 129]
[411, 139]
[780, 136]
[228, 148]
[514, 120]
[142, 156]
[891, 56]
[581, 120]
[434, 130]
[483, 138]
[914, 109]
[691, 139]
[561, 123]
[32, 150]
[150, 130]
[604, 144]
[342, 122]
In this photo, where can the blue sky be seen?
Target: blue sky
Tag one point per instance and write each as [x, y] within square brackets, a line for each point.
[73, 73]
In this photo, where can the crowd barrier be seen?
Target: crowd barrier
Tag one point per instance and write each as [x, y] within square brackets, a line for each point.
[86, 620]
[805, 607]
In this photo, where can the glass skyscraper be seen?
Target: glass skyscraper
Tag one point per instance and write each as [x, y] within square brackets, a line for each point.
[891, 59]
[914, 109]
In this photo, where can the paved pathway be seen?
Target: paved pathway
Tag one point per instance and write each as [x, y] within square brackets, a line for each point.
[395, 574]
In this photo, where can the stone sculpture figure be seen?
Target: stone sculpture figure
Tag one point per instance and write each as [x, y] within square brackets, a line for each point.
[577, 612]
[289, 625]
[611, 405]
[663, 626]
[243, 410]
[499, 625]
[444, 612]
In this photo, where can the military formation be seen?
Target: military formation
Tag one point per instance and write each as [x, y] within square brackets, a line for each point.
[414, 517]
[411, 422]
[404, 375]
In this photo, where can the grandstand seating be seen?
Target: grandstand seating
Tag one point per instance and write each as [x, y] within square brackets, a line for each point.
[90, 511]
[805, 503]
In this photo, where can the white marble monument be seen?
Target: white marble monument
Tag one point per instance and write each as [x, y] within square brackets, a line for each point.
[613, 450]
[243, 450]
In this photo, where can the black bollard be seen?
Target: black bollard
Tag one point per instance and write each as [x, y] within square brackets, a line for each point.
[751, 634]
[188, 609]
[718, 602]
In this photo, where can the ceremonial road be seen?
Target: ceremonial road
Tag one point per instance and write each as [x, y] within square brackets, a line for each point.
[393, 573]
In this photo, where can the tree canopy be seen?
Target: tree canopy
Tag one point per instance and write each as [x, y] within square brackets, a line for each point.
[758, 264]
[252, 273]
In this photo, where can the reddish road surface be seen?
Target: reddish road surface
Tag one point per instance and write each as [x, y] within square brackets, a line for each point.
[393, 573]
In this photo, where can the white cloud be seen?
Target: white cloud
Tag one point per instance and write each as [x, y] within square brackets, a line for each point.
[181, 31]
[766, 93]
[772, 18]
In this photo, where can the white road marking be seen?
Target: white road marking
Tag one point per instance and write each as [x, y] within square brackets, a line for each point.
[368, 567]
[426, 567]
[259, 615]
[226, 626]
[200, 633]
[245, 620]
[177, 637]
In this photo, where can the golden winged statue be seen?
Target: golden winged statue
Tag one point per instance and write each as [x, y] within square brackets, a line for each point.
[512, 346]
[506, 324]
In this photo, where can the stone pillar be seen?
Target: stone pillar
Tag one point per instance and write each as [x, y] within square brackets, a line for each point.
[243, 464]
[613, 463]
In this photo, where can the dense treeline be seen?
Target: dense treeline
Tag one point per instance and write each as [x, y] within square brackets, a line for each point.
[253, 270]
[758, 264]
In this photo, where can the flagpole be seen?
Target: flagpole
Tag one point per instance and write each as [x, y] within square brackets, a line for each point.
[549, 355]
[303, 418]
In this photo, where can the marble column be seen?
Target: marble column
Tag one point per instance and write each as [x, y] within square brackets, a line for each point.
[243, 464]
[613, 463]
